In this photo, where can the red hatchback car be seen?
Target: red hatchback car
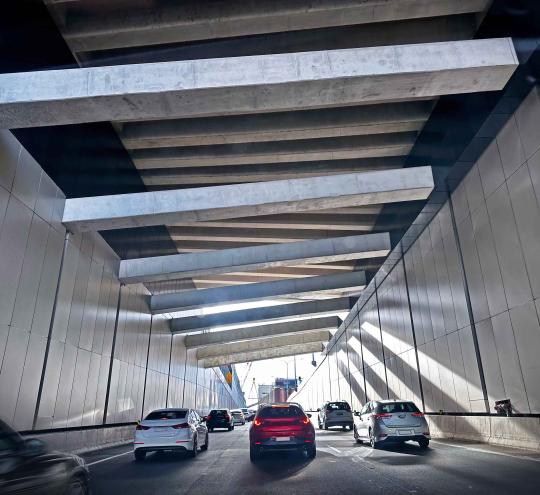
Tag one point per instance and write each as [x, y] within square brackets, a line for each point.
[281, 427]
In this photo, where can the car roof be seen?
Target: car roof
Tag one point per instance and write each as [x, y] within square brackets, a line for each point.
[392, 401]
[171, 409]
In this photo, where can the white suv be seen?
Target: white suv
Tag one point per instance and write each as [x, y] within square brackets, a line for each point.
[170, 429]
[336, 413]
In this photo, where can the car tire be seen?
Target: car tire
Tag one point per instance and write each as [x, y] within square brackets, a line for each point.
[205, 446]
[355, 435]
[374, 444]
[77, 486]
[424, 443]
[254, 454]
[311, 451]
[320, 425]
[193, 452]
[210, 430]
[229, 428]
[139, 456]
[351, 426]
[344, 428]
[325, 426]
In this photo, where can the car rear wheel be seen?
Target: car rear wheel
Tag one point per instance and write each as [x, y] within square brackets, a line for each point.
[424, 443]
[374, 444]
[325, 426]
[311, 451]
[254, 454]
[230, 428]
[205, 446]
[356, 437]
[77, 486]
[140, 456]
[193, 451]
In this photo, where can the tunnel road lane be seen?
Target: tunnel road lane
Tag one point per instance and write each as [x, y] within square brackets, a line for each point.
[340, 465]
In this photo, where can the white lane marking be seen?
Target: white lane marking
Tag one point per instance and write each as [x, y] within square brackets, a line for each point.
[484, 451]
[337, 451]
[109, 458]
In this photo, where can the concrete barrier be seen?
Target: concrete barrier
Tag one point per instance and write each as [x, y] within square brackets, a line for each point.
[523, 433]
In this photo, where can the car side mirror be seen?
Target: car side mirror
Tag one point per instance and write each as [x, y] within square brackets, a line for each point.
[34, 447]
[318, 409]
[308, 415]
[356, 413]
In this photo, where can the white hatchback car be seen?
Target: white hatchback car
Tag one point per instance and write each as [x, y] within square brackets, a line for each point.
[170, 430]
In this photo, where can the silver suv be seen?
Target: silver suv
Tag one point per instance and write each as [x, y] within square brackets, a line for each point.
[388, 421]
[336, 413]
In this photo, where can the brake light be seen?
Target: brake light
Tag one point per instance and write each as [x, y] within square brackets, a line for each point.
[181, 426]
[142, 427]
[257, 422]
[227, 418]
[382, 415]
[418, 414]
[305, 420]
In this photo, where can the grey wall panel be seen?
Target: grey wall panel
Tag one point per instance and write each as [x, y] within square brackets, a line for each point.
[10, 149]
[77, 303]
[78, 391]
[28, 390]
[101, 313]
[88, 324]
[510, 147]
[27, 179]
[527, 333]
[509, 362]
[473, 189]
[4, 332]
[46, 198]
[491, 170]
[490, 361]
[448, 392]
[512, 263]
[458, 370]
[65, 385]
[527, 218]
[89, 408]
[472, 372]
[489, 262]
[527, 122]
[13, 238]
[12, 370]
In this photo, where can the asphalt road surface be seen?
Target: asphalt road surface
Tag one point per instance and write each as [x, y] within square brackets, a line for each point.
[341, 467]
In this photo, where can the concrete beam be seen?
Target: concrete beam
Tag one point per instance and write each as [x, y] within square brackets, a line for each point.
[376, 145]
[253, 258]
[280, 126]
[352, 282]
[234, 174]
[257, 332]
[263, 344]
[105, 30]
[265, 83]
[239, 200]
[325, 307]
[246, 357]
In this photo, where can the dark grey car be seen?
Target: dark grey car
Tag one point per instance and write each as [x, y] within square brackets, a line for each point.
[391, 421]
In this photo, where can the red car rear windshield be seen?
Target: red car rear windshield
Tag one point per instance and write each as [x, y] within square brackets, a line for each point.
[280, 412]
[166, 415]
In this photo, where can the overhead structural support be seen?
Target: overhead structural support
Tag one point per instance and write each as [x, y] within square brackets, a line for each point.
[324, 307]
[244, 259]
[262, 83]
[351, 282]
[182, 23]
[246, 200]
[261, 331]
[246, 357]
[263, 344]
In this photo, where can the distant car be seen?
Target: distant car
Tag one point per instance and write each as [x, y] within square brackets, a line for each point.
[179, 430]
[238, 417]
[28, 467]
[249, 414]
[281, 427]
[336, 413]
[220, 418]
[391, 421]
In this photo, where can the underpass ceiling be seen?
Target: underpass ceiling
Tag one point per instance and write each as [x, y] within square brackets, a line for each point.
[198, 152]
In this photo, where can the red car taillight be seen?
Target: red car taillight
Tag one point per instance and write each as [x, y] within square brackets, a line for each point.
[257, 422]
[305, 420]
[142, 427]
[418, 415]
[181, 426]
[382, 415]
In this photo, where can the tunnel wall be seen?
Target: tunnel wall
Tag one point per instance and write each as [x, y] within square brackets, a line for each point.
[63, 313]
[455, 324]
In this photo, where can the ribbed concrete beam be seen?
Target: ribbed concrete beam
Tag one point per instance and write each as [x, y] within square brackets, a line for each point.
[262, 331]
[280, 126]
[253, 258]
[334, 284]
[105, 30]
[264, 172]
[326, 307]
[246, 357]
[263, 344]
[265, 83]
[377, 145]
[239, 200]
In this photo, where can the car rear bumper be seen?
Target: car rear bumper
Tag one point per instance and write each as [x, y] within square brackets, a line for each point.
[401, 438]
[219, 424]
[339, 422]
[274, 445]
[162, 444]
